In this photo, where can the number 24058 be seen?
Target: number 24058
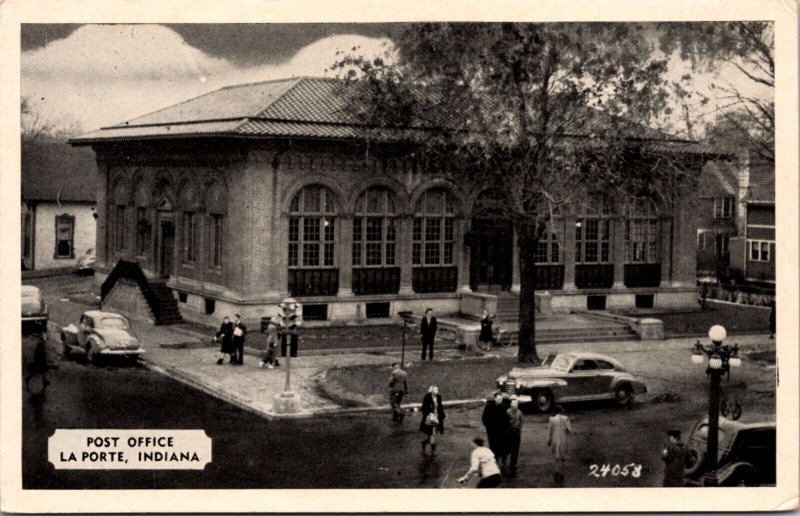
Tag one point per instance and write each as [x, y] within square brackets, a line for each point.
[634, 470]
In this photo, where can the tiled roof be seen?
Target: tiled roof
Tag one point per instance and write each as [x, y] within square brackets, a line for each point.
[299, 107]
[57, 171]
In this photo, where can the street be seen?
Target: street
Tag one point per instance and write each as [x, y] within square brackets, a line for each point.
[364, 450]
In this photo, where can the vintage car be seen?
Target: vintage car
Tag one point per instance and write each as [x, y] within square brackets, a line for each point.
[745, 453]
[86, 263]
[101, 334]
[34, 309]
[572, 377]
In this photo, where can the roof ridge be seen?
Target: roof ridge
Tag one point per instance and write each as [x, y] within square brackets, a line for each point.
[298, 78]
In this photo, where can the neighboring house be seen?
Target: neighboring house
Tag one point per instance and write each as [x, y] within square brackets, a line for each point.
[58, 200]
[253, 193]
[721, 204]
[753, 252]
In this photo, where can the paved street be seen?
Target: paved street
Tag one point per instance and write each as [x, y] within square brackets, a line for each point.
[367, 449]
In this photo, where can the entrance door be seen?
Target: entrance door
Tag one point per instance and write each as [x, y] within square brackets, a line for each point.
[491, 260]
[166, 246]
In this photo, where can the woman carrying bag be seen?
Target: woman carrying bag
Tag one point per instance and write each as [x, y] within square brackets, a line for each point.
[432, 418]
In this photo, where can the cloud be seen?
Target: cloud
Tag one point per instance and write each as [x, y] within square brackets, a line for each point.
[105, 74]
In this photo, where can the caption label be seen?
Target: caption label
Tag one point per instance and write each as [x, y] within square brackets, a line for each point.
[129, 449]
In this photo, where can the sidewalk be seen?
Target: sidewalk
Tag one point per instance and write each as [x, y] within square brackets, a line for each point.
[186, 358]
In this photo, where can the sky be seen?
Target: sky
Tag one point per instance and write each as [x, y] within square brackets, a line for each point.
[98, 75]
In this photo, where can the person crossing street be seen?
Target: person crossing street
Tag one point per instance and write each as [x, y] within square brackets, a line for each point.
[398, 388]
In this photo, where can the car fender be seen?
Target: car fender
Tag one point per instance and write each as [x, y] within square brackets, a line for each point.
[96, 340]
[69, 334]
[732, 470]
[539, 383]
[637, 386]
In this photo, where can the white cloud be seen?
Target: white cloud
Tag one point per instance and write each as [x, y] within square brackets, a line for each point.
[105, 74]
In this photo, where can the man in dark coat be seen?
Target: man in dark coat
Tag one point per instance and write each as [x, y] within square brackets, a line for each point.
[514, 433]
[239, 332]
[674, 455]
[495, 419]
[225, 338]
[398, 387]
[427, 330]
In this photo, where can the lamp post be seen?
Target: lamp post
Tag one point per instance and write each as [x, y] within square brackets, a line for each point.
[720, 358]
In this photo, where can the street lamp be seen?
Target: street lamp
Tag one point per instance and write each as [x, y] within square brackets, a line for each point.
[720, 359]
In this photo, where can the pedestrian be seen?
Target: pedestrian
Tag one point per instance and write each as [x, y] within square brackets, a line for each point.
[482, 463]
[269, 356]
[427, 330]
[559, 429]
[225, 338]
[514, 434]
[486, 336]
[398, 387]
[239, 333]
[772, 320]
[675, 455]
[432, 418]
[495, 420]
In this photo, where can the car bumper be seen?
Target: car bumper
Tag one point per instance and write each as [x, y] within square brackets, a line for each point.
[35, 318]
[108, 351]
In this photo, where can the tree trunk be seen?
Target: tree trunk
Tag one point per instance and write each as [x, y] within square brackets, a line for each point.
[528, 238]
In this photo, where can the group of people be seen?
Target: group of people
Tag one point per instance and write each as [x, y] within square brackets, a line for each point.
[231, 336]
[502, 419]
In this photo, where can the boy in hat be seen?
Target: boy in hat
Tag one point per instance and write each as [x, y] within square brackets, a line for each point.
[674, 455]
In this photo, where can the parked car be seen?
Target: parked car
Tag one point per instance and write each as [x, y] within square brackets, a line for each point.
[34, 309]
[86, 263]
[746, 453]
[101, 334]
[572, 377]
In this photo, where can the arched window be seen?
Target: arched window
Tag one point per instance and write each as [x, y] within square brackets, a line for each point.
[312, 228]
[143, 224]
[593, 231]
[216, 209]
[641, 232]
[375, 228]
[120, 202]
[190, 206]
[434, 235]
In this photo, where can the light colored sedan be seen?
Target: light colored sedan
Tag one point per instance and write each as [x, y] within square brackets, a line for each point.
[101, 334]
[34, 309]
[569, 377]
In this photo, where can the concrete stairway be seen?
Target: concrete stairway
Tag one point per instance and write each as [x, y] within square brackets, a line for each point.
[168, 312]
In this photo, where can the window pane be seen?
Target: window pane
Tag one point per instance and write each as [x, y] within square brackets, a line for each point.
[390, 253]
[329, 206]
[416, 253]
[357, 229]
[329, 224]
[294, 229]
[374, 253]
[356, 254]
[432, 250]
[433, 202]
[754, 250]
[390, 204]
[433, 229]
[448, 229]
[311, 199]
[591, 252]
[311, 255]
[293, 255]
[375, 200]
[311, 229]
[578, 255]
[605, 252]
[374, 229]
[579, 230]
[448, 253]
[554, 258]
[329, 250]
[541, 252]
[390, 230]
[417, 230]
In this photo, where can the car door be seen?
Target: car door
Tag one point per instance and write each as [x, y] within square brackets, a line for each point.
[581, 379]
[605, 375]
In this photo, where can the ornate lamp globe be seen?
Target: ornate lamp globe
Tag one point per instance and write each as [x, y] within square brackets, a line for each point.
[717, 333]
[697, 357]
[715, 362]
[735, 361]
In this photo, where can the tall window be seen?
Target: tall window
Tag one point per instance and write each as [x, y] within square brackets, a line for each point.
[375, 229]
[593, 232]
[312, 228]
[215, 203]
[189, 237]
[65, 231]
[119, 229]
[641, 233]
[216, 240]
[723, 207]
[547, 250]
[433, 241]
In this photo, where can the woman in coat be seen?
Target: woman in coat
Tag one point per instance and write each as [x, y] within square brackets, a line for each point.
[225, 338]
[486, 334]
[432, 418]
[559, 428]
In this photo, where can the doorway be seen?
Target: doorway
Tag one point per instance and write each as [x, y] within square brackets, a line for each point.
[166, 246]
[491, 254]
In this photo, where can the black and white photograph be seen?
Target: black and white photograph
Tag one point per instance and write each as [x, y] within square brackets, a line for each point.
[268, 254]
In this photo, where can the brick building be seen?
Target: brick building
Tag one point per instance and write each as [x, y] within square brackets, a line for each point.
[252, 193]
[753, 251]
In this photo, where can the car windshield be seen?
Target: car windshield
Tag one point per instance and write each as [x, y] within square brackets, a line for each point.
[561, 363]
[30, 295]
[113, 322]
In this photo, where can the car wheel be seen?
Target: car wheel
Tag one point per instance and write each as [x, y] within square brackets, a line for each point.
[543, 401]
[695, 460]
[623, 395]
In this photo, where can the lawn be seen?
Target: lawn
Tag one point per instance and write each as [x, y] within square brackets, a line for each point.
[735, 318]
[459, 379]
